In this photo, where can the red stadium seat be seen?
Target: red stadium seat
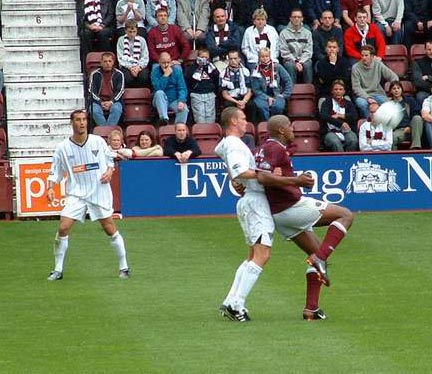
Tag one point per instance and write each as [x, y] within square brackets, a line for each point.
[262, 134]
[396, 58]
[417, 51]
[307, 136]
[132, 132]
[207, 136]
[302, 102]
[93, 60]
[3, 143]
[137, 106]
[104, 131]
[165, 132]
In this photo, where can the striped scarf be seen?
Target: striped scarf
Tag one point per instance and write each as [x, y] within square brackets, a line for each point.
[261, 39]
[134, 54]
[269, 72]
[92, 11]
[221, 35]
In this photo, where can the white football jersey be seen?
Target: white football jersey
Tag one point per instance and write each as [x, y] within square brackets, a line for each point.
[83, 166]
[238, 158]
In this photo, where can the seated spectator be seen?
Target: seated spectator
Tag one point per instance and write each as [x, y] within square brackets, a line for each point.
[333, 66]
[169, 90]
[202, 78]
[360, 34]
[271, 86]
[193, 19]
[234, 83]
[417, 18]
[411, 125]
[181, 146]
[326, 30]
[106, 87]
[350, 8]
[366, 76]
[127, 10]
[338, 121]
[259, 36]
[249, 7]
[133, 57]
[388, 16]
[167, 38]
[372, 135]
[422, 74]
[146, 146]
[295, 43]
[426, 114]
[233, 9]
[153, 5]
[314, 9]
[116, 145]
[222, 36]
[96, 21]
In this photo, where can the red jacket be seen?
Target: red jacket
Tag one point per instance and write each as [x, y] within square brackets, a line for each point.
[172, 41]
[352, 41]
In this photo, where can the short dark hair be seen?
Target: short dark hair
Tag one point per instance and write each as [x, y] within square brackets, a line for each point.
[369, 48]
[75, 112]
[131, 24]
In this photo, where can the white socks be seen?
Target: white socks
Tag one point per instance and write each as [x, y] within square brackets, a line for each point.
[117, 243]
[246, 276]
[60, 247]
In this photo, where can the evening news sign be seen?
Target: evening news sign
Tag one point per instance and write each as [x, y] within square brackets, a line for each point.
[361, 182]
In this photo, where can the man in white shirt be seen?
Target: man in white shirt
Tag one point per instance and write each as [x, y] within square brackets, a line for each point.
[426, 114]
[88, 164]
[373, 136]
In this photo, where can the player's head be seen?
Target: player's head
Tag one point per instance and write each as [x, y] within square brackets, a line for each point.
[234, 120]
[280, 127]
[78, 119]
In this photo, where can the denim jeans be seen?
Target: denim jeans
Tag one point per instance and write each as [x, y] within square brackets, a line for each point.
[307, 71]
[113, 117]
[428, 130]
[265, 110]
[363, 105]
[160, 102]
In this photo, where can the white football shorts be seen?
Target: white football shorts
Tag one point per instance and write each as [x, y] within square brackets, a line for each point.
[77, 208]
[302, 216]
[255, 218]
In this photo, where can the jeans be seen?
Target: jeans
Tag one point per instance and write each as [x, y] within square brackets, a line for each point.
[428, 130]
[203, 107]
[160, 102]
[307, 71]
[114, 114]
[265, 110]
[396, 37]
[363, 105]
[334, 144]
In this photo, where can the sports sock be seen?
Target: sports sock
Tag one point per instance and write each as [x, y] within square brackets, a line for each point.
[60, 247]
[335, 234]
[313, 289]
[233, 290]
[117, 243]
[250, 275]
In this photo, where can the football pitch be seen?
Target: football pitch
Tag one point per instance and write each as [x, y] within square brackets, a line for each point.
[165, 320]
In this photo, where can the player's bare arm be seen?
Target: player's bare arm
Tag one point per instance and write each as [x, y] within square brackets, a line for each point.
[50, 193]
[106, 177]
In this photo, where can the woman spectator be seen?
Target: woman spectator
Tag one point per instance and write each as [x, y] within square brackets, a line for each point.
[411, 125]
[146, 146]
[116, 145]
[338, 121]
[271, 85]
[259, 36]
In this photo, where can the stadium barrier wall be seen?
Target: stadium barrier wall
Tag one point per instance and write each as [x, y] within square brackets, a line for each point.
[163, 187]
[359, 181]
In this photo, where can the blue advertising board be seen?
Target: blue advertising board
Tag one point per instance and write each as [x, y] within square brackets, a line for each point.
[361, 182]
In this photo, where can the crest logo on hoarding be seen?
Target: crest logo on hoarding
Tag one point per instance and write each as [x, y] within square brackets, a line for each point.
[366, 177]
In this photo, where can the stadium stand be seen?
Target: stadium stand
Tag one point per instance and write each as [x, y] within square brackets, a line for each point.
[396, 58]
[307, 136]
[207, 136]
[417, 51]
[137, 106]
[104, 131]
[302, 102]
[165, 132]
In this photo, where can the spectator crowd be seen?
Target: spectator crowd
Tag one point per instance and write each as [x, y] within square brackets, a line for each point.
[198, 57]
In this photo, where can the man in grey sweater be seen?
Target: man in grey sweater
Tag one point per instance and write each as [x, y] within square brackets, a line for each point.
[366, 76]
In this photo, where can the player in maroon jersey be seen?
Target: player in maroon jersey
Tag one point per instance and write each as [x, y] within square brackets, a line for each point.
[296, 215]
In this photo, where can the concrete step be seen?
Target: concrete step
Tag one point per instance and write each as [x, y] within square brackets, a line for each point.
[72, 77]
[40, 127]
[44, 60]
[42, 42]
[17, 153]
[41, 97]
[36, 5]
[42, 115]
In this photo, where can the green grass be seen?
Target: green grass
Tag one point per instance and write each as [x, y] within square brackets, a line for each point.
[164, 319]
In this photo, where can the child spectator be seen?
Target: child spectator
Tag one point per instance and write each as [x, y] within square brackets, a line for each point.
[133, 57]
[373, 136]
[202, 79]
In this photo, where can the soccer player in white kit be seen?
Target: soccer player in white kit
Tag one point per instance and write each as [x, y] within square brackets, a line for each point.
[88, 164]
[253, 212]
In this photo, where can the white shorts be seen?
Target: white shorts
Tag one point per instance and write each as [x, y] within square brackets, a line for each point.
[302, 216]
[255, 218]
[77, 208]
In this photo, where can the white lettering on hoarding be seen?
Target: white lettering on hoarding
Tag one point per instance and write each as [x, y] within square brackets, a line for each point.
[36, 187]
[412, 165]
